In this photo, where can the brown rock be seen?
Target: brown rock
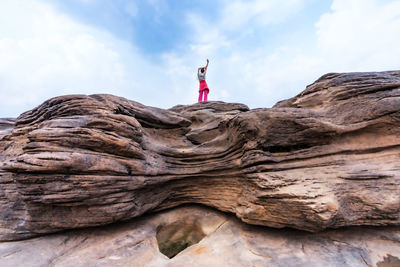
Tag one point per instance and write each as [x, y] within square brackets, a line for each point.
[225, 242]
[326, 158]
[6, 126]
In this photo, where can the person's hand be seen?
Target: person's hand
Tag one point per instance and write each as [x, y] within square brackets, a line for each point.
[207, 60]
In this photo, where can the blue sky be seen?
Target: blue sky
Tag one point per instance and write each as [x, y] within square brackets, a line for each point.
[260, 51]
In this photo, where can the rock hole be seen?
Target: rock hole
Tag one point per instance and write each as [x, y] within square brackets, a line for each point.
[175, 237]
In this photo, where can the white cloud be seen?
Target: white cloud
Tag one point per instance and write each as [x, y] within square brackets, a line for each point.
[355, 35]
[238, 14]
[361, 35]
[45, 54]
[235, 73]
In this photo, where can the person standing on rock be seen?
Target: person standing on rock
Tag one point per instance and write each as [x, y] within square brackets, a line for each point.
[203, 89]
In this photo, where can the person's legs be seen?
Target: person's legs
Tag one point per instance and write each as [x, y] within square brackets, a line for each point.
[200, 95]
[206, 91]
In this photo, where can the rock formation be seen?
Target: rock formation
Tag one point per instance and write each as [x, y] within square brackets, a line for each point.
[326, 158]
[224, 241]
[6, 126]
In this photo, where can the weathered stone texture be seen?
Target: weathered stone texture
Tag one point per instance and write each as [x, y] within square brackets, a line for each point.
[326, 158]
[226, 242]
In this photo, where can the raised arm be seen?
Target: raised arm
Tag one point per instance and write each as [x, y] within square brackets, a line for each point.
[206, 66]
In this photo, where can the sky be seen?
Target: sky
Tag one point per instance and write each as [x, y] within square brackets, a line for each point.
[260, 51]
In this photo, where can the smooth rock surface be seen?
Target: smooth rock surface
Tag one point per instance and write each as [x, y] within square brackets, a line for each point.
[227, 242]
[326, 158]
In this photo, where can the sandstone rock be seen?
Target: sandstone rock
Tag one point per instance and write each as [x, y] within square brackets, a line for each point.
[326, 158]
[226, 242]
[6, 126]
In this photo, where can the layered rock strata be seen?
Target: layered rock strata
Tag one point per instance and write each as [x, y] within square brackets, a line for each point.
[6, 126]
[326, 158]
[225, 242]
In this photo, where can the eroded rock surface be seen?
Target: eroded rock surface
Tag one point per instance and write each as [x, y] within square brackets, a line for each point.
[326, 158]
[225, 242]
[6, 126]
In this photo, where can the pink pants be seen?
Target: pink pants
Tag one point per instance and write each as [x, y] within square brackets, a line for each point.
[205, 91]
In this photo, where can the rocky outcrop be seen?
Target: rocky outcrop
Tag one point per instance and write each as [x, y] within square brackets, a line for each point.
[221, 240]
[6, 126]
[326, 158]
